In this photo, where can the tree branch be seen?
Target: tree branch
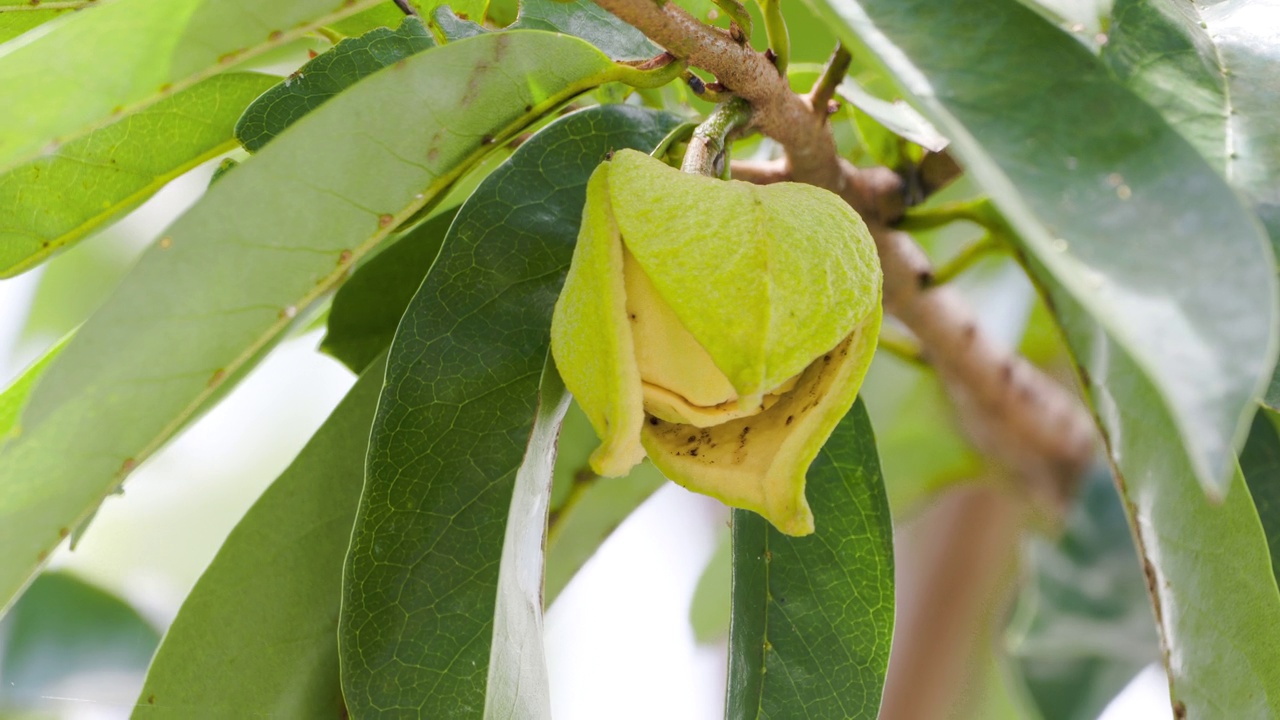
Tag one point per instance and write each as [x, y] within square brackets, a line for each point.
[1014, 413]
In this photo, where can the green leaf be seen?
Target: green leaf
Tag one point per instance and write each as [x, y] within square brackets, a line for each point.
[256, 633]
[709, 609]
[367, 308]
[327, 75]
[62, 627]
[1210, 68]
[1112, 208]
[125, 55]
[1083, 626]
[454, 424]
[14, 398]
[386, 14]
[585, 508]
[19, 16]
[1260, 463]
[813, 616]
[580, 18]
[58, 199]
[263, 244]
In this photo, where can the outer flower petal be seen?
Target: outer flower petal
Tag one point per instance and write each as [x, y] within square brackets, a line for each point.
[759, 463]
[591, 338]
[776, 300]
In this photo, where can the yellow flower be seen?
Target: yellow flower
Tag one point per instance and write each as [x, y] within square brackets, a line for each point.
[719, 327]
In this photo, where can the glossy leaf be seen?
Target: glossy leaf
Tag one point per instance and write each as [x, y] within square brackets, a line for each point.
[580, 18]
[327, 75]
[1112, 209]
[367, 308]
[64, 626]
[454, 424]
[1260, 463]
[812, 617]
[1210, 68]
[585, 508]
[255, 636]
[125, 55]
[1083, 626]
[264, 243]
[58, 199]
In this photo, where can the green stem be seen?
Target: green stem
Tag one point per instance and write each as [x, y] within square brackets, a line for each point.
[901, 348]
[832, 75]
[707, 149]
[775, 29]
[652, 77]
[333, 36]
[739, 16]
[979, 212]
[682, 132]
[964, 259]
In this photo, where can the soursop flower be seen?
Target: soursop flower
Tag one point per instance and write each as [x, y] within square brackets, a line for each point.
[718, 327]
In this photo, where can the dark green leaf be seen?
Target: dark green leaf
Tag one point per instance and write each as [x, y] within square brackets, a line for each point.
[813, 616]
[64, 626]
[62, 197]
[256, 634]
[454, 424]
[1210, 68]
[368, 307]
[327, 75]
[580, 18]
[1112, 208]
[1260, 463]
[122, 56]
[262, 246]
[586, 508]
[1083, 625]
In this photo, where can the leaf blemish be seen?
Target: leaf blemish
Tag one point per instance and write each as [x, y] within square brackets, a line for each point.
[385, 219]
[217, 377]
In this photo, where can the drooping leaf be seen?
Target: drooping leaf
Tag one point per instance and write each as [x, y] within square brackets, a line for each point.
[897, 116]
[1211, 68]
[367, 308]
[58, 199]
[256, 634]
[517, 686]
[264, 243]
[1260, 463]
[327, 75]
[454, 424]
[1083, 626]
[64, 626]
[585, 508]
[1112, 209]
[125, 55]
[812, 618]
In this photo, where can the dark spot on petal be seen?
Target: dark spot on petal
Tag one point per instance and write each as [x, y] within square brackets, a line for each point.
[790, 418]
[653, 420]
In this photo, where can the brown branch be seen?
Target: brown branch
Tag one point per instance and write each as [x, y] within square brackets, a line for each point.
[832, 75]
[1012, 411]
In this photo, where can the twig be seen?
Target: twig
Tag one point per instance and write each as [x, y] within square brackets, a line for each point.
[706, 153]
[832, 75]
[775, 29]
[406, 8]
[963, 260]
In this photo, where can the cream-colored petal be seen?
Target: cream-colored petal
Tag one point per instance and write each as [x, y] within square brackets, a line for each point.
[591, 337]
[668, 356]
[759, 463]
[673, 408]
